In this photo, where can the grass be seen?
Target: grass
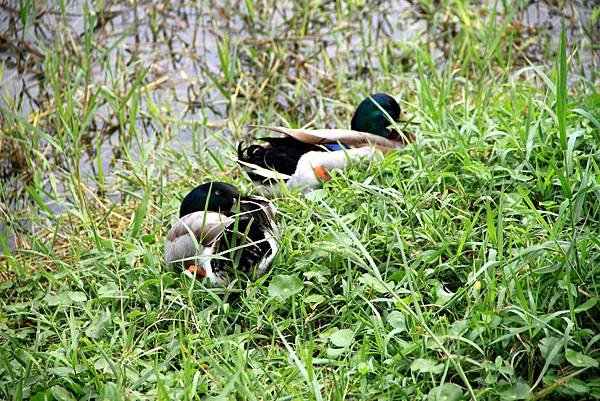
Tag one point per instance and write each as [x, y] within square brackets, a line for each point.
[465, 266]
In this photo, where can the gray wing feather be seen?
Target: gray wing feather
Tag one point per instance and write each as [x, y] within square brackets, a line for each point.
[195, 229]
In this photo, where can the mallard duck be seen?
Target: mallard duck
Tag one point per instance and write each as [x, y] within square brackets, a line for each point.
[225, 231]
[305, 156]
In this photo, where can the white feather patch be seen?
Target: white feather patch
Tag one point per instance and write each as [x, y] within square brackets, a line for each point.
[305, 174]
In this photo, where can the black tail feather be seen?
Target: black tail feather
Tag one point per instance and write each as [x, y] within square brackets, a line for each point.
[280, 154]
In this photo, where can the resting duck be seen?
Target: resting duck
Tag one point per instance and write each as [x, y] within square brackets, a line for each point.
[225, 231]
[305, 156]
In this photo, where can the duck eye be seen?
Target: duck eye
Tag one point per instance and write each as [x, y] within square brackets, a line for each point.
[218, 193]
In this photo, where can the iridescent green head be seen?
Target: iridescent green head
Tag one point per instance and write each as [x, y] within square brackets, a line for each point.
[371, 118]
[212, 196]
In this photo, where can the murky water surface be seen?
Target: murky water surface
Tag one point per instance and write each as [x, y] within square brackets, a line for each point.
[189, 53]
[178, 45]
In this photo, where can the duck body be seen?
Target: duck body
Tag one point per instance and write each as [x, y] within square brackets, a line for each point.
[220, 232]
[304, 156]
[280, 154]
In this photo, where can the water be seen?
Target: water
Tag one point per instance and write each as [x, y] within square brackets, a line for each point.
[180, 46]
[178, 42]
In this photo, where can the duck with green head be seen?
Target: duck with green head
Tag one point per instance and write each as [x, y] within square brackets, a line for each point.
[220, 232]
[304, 157]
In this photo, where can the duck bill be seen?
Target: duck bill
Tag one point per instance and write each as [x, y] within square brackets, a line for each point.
[404, 117]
